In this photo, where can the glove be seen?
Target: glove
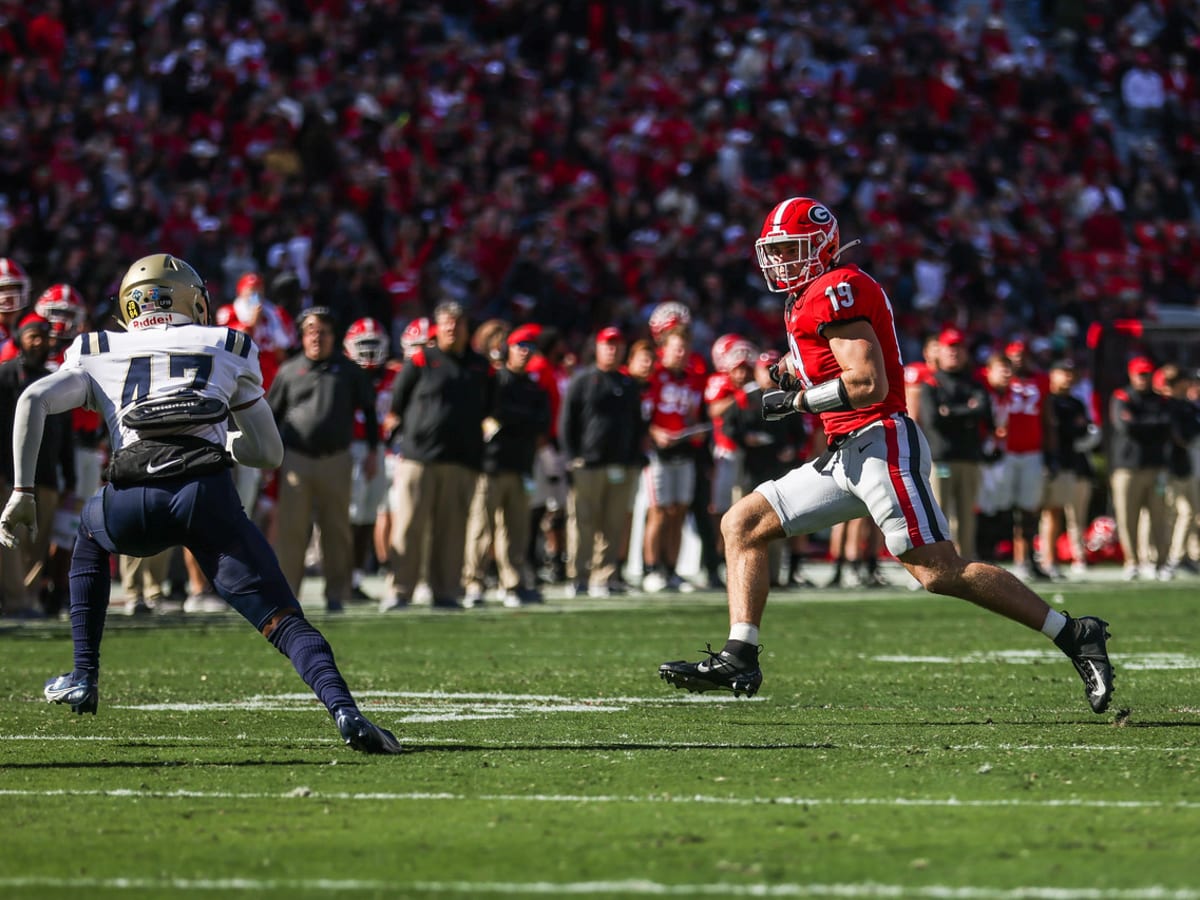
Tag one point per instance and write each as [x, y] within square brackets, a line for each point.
[21, 510]
[779, 404]
[782, 377]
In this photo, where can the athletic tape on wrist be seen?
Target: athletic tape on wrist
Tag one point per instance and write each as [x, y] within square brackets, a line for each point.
[828, 396]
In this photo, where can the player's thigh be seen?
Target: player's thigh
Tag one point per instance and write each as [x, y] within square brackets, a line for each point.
[888, 467]
[807, 499]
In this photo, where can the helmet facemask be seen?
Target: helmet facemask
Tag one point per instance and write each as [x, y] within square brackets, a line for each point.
[788, 262]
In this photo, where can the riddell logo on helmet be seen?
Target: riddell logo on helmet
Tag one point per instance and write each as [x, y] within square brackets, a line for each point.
[152, 319]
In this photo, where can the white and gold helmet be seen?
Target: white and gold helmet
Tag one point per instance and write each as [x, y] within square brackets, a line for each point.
[162, 289]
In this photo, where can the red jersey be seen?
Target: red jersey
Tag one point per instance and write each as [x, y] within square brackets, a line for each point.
[844, 294]
[272, 332]
[543, 373]
[720, 387]
[674, 399]
[383, 403]
[916, 373]
[1020, 411]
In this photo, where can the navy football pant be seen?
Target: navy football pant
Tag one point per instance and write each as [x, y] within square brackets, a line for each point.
[205, 515]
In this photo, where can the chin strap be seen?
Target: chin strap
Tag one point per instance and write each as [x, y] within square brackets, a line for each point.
[837, 256]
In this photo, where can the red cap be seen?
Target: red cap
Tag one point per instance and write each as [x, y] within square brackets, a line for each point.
[1159, 380]
[1014, 348]
[249, 282]
[610, 335]
[525, 334]
[1140, 365]
[33, 320]
[951, 336]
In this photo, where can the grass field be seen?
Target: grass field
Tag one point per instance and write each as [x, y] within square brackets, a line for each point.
[902, 746]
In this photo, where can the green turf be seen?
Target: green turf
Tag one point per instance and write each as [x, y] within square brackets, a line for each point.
[549, 759]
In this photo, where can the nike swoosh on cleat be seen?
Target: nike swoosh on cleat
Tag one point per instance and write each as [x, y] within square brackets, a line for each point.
[1099, 689]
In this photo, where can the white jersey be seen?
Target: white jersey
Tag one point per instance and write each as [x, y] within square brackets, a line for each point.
[124, 369]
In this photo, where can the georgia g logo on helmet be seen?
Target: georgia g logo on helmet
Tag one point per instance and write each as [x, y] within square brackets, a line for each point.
[798, 243]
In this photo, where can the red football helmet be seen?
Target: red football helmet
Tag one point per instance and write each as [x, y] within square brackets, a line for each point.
[14, 286]
[417, 334]
[64, 308]
[366, 343]
[799, 242]
[667, 316]
[720, 351]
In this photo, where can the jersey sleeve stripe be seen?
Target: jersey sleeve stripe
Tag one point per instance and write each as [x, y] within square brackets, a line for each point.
[230, 340]
[244, 343]
[102, 341]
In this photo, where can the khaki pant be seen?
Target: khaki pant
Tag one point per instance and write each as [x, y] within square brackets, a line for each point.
[143, 576]
[432, 499]
[21, 567]
[1132, 491]
[315, 488]
[1070, 493]
[597, 515]
[1181, 516]
[956, 490]
[499, 519]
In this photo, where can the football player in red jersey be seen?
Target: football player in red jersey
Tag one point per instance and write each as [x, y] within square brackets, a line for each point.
[675, 400]
[844, 364]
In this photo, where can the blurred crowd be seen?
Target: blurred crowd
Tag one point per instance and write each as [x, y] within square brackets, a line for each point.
[1015, 171]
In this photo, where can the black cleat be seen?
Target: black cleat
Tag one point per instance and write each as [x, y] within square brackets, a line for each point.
[80, 692]
[363, 735]
[720, 670]
[1083, 640]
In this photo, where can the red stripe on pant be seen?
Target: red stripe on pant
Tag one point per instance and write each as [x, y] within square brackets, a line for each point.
[898, 485]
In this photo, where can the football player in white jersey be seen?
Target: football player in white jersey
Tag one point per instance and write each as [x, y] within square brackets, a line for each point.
[166, 389]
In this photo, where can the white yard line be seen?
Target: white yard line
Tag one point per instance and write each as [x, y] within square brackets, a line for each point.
[304, 793]
[633, 888]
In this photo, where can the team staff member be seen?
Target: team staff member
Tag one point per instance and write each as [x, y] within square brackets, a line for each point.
[601, 430]
[1069, 470]
[440, 400]
[314, 397]
[500, 509]
[845, 365]
[954, 414]
[23, 567]
[1141, 439]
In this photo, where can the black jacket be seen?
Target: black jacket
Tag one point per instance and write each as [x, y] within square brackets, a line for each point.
[1141, 429]
[1185, 426]
[523, 412]
[442, 400]
[955, 413]
[601, 419]
[58, 444]
[314, 404]
[769, 449]
[1072, 421]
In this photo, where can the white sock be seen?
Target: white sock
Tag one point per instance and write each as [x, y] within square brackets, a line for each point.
[744, 632]
[1055, 623]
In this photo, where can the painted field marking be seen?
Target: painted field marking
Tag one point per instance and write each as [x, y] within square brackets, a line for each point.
[1138, 662]
[304, 793]
[632, 887]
